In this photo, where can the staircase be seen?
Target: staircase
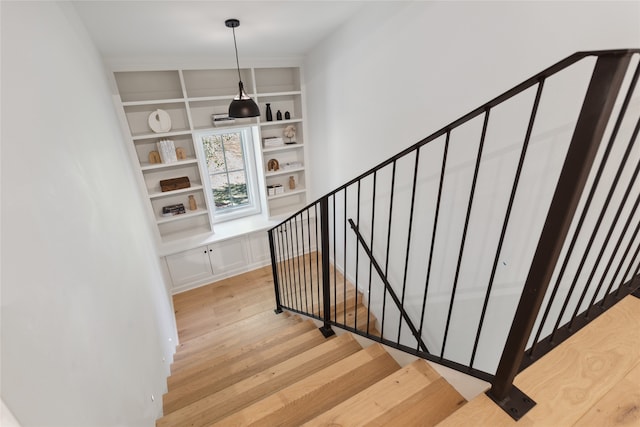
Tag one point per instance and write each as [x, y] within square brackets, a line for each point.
[240, 364]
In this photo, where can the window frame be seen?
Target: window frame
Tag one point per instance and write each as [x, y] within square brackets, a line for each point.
[253, 190]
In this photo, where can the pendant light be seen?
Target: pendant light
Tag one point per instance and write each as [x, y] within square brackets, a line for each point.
[242, 105]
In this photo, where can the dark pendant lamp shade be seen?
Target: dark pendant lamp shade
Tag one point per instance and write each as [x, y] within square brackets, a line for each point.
[242, 105]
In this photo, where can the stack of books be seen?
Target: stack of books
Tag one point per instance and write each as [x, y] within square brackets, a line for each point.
[221, 119]
[167, 151]
[172, 210]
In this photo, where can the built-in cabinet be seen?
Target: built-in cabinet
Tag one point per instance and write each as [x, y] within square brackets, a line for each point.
[194, 254]
[205, 264]
[190, 98]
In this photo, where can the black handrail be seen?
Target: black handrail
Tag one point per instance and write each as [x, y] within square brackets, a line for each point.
[293, 251]
[531, 81]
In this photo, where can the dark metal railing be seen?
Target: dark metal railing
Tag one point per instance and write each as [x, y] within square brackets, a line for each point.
[414, 255]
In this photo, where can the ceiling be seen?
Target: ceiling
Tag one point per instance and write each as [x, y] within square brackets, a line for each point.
[195, 29]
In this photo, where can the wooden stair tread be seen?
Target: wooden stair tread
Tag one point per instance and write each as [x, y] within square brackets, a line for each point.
[192, 328]
[238, 332]
[318, 392]
[619, 406]
[230, 373]
[414, 395]
[206, 361]
[567, 382]
[359, 315]
[239, 395]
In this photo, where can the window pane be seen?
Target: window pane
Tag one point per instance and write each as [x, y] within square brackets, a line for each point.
[233, 151]
[232, 186]
[238, 188]
[214, 153]
[220, 188]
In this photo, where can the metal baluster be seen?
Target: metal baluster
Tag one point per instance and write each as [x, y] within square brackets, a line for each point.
[507, 215]
[433, 232]
[464, 230]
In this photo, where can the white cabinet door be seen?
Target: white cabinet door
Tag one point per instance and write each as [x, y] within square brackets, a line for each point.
[189, 266]
[228, 256]
[259, 247]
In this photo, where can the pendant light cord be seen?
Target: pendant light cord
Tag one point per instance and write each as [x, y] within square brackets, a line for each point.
[236, 47]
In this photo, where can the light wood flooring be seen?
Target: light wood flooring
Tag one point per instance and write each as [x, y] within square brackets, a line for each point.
[240, 364]
[592, 379]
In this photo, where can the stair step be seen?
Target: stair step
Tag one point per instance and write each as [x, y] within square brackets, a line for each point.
[318, 392]
[209, 319]
[413, 396]
[240, 395]
[205, 362]
[361, 318]
[230, 373]
[339, 302]
[238, 332]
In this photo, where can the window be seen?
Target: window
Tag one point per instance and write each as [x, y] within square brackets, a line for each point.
[227, 156]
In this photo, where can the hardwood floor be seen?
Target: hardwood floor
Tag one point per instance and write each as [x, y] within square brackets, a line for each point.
[592, 379]
[238, 363]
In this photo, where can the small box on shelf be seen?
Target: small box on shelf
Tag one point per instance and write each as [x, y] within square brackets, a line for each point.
[291, 165]
[272, 142]
[175, 183]
[274, 189]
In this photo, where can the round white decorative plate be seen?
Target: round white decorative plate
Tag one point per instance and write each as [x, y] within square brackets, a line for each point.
[159, 121]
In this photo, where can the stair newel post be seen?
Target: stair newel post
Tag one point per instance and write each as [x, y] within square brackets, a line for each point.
[326, 274]
[274, 271]
[598, 103]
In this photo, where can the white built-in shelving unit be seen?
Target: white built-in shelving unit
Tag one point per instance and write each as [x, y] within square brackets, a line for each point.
[190, 97]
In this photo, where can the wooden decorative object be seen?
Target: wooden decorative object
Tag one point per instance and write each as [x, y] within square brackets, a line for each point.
[192, 203]
[292, 183]
[181, 154]
[154, 157]
[273, 165]
[174, 184]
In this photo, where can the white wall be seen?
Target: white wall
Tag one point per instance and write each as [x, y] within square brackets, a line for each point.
[402, 70]
[87, 324]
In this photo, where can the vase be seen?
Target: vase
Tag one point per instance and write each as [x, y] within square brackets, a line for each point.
[192, 203]
[287, 116]
[292, 183]
[269, 114]
[279, 115]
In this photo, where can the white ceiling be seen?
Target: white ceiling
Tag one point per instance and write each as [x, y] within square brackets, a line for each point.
[195, 29]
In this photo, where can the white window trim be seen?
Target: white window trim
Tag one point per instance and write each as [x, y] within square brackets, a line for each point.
[250, 168]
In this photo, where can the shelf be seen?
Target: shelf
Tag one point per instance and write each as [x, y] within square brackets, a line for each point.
[190, 97]
[282, 148]
[152, 102]
[273, 94]
[149, 166]
[283, 172]
[188, 214]
[160, 135]
[280, 122]
[156, 194]
[214, 98]
[287, 194]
